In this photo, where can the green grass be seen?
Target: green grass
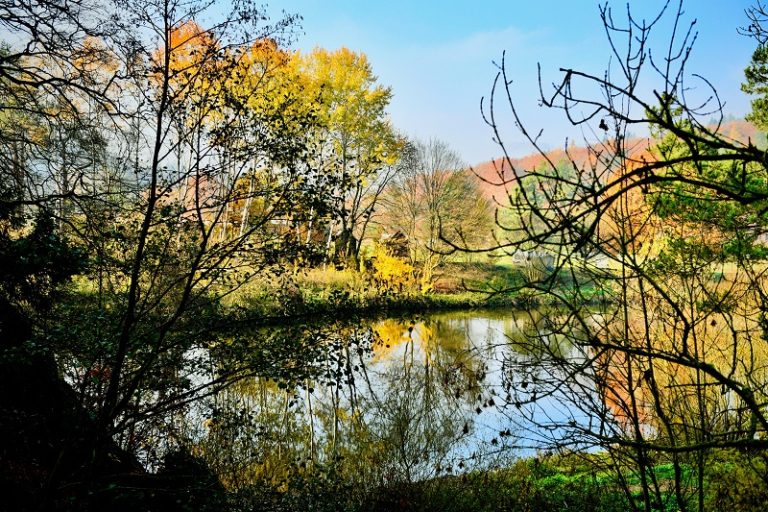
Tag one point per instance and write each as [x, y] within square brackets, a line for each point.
[313, 292]
[525, 485]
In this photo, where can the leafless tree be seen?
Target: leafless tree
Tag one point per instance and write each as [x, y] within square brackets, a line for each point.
[435, 195]
[649, 329]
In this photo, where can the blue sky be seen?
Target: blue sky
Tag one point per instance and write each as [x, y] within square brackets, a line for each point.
[438, 57]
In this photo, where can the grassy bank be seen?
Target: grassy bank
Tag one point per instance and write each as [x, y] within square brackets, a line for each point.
[321, 292]
[532, 484]
[560, 483]
[313, 293]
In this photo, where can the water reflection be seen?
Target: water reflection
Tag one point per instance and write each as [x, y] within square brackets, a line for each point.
[388, 400]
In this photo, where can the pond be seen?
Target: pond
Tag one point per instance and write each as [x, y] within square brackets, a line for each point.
[387, 399]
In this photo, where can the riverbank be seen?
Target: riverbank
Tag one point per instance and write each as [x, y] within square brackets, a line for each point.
[314, 294]
[542, 484]
[346, 304]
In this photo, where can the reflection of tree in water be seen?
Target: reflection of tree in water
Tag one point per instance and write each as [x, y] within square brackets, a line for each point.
[263, 429]
[419, 394]
[401, 414]
[440, 345]
[253, 434]
[538, 342]
[524, 330]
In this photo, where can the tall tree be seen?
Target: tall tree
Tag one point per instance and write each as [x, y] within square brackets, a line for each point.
[358, 145]
[172, 242]
[150, 144]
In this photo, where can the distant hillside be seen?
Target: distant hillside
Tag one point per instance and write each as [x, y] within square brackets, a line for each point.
[743, 131]
[494, 174]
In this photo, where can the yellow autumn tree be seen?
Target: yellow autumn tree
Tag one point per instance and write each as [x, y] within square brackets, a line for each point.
[269, 81]
[275, 117]
[359, 145]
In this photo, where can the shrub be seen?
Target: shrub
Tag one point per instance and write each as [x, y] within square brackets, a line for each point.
[391, 272]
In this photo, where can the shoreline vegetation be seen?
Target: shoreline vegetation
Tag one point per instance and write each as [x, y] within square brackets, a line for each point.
[348, 303]
[308, 295]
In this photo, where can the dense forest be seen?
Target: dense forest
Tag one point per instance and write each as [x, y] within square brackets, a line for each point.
[228, 282]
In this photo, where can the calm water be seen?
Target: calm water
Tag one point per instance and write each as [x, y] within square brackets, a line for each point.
[404, 398]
